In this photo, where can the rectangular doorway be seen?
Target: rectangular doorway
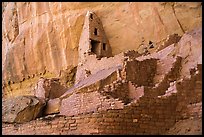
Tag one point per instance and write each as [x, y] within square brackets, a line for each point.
[95, 47]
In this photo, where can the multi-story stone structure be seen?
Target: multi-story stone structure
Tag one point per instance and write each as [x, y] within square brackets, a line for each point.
[124, 94]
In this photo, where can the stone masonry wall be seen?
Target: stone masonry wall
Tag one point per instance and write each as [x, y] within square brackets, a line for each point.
[190, 90]
[133, 119]
[87, 103]
[149, 115]
[141, 72]
[153, 118]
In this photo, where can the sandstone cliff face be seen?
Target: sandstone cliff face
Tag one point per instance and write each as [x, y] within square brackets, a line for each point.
[41, 38]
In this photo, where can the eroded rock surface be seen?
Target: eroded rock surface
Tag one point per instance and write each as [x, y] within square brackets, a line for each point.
[52, 106]
[43, 38]
[149, 90]
[49, 88]
[22, 109]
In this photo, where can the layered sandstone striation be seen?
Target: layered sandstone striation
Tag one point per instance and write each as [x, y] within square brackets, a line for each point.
[42, 38]
[144, 90]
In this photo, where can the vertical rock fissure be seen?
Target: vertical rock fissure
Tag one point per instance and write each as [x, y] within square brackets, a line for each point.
[177, 18]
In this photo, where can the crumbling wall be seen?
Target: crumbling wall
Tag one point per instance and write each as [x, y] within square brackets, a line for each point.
[128, 95]
[61, 125]
[117, 89]
[142, 119]
[141, 72]
[190, 90]
[171, 39]
[39, 37]
[88, 102]
[92, 98]
[146, 116]
[153, 116]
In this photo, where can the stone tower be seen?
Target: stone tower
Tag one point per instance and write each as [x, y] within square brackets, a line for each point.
[93, 40]
[93, 46]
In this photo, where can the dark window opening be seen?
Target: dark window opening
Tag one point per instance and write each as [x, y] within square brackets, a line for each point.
[104, 46]
[95, 47]
[95, 31]
[91, 16]
[151, 44]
